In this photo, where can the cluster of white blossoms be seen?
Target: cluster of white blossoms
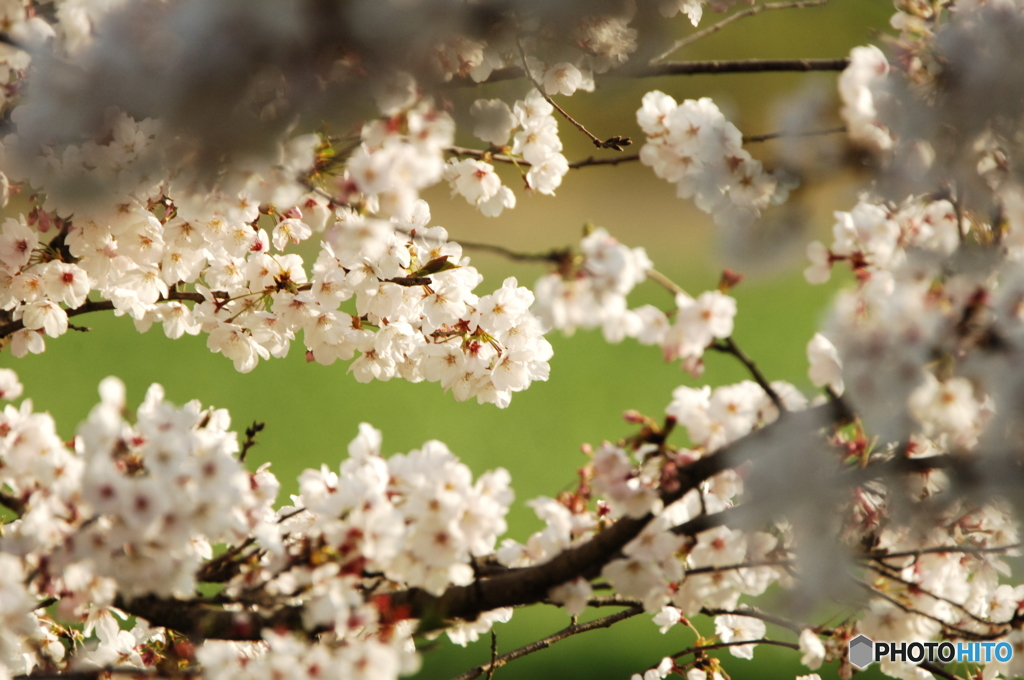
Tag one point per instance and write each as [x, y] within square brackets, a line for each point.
[132, 508]
[137, 504]
[418, 518]
[591, 291]
[537, 144]
[858, 89]
[693, 146]
[874, 238]
[400, 154]
[381, 658]
[714, 418]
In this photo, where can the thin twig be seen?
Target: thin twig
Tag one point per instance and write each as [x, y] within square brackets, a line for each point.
[546, 642]
[966, 549]
[736, 643]
[962, 632]
[751, 139]
[551, 256]
[936, 669]
[714, 28]
[494, 654]
[616, 142]
[591, 161]
[250, 438]
[665, 282]
[728, 346]
[885, 571]
[503, 158]
[614, 160]
[755, 613]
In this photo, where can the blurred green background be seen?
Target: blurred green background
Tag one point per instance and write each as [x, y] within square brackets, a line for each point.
[312, 411]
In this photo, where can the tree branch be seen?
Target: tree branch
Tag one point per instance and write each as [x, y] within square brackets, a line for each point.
[96, 673]
[514, 587]
[783, 134]
[555, 256]
[616, 142]
[193, 617]
[87, 307]
[544, 643]
[12, 503]
[714, 28]
[690, 68]
[531, 584]
[729, 346]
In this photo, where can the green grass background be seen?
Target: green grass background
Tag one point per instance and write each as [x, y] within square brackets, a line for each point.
[312, 411]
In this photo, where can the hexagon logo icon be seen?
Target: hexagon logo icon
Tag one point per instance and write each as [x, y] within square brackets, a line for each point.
[862, 651]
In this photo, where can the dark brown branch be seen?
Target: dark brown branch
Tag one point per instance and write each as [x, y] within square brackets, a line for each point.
[193, 617]
[94, 673]
[728, 346]
[105, 306]
[12, 503]
[546, 642]
[714, 28]
[250, 438]
[90, 306]
[514, 587]
[409, 281]
[689, 68]
[225, 566]
[614, 160]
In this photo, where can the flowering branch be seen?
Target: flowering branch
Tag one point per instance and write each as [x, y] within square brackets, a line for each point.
[531, 584]
[616, 142]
